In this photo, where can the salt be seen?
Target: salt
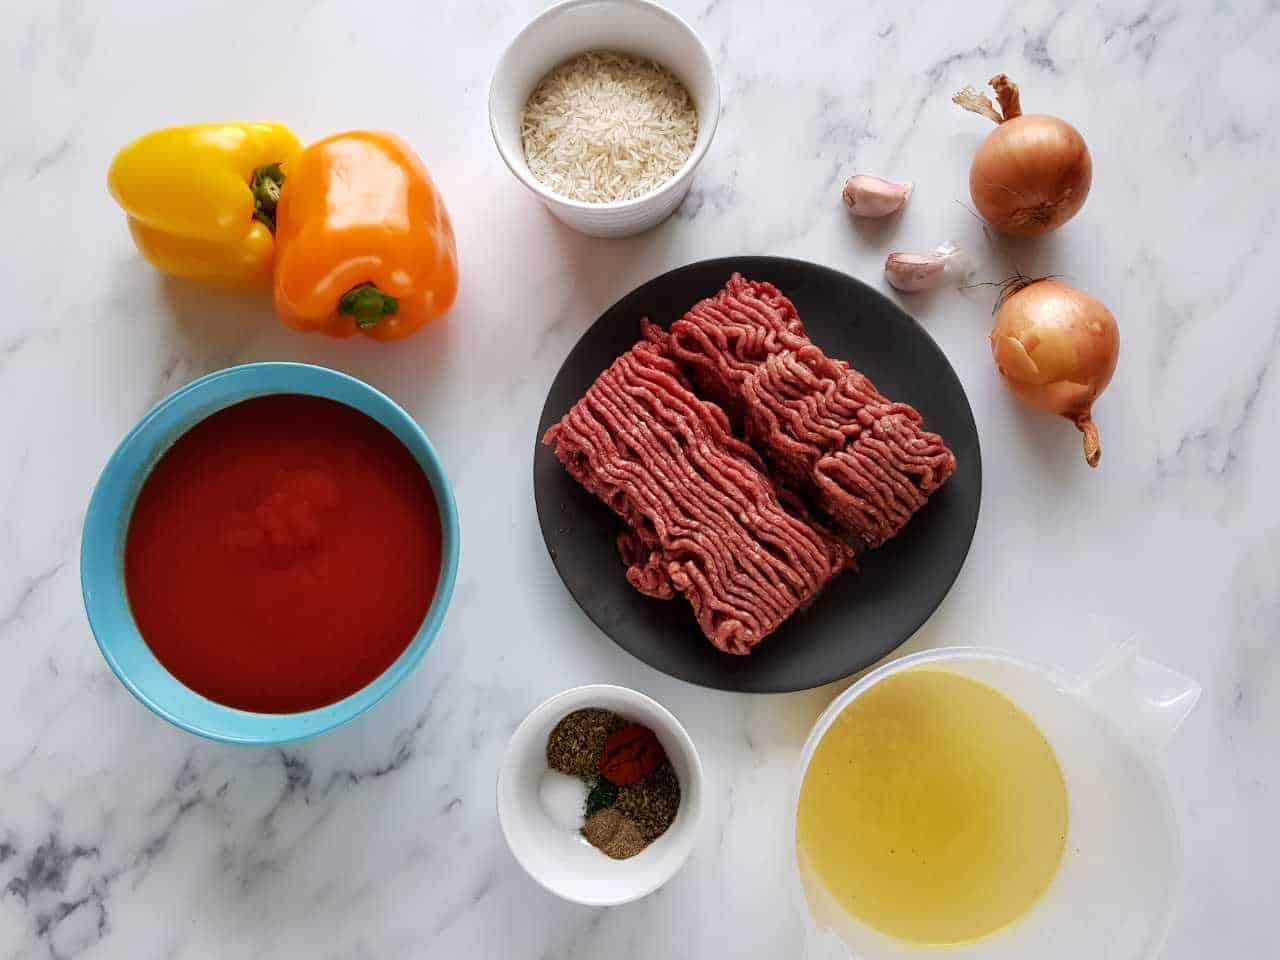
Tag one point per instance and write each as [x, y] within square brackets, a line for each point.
[563, 799]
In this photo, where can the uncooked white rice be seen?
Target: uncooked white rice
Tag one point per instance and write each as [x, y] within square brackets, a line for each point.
[605, 126]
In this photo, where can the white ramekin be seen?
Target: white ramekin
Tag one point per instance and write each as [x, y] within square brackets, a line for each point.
[561, 861]
[636, 27]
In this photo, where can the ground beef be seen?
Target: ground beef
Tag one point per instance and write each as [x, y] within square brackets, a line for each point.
[824, 428]
[704, 520]
[646, 566]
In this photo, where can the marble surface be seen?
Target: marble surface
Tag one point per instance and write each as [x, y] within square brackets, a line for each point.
[121, 836]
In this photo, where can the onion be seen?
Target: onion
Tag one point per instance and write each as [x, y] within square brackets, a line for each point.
[1056, 349]
[1032, 173]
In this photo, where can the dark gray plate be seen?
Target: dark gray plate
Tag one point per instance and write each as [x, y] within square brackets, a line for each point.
[862, 615]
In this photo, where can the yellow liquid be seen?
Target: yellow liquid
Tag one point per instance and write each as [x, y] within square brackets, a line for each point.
[933, 810]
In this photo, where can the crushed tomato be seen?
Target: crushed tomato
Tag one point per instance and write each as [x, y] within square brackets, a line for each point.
[282, 553]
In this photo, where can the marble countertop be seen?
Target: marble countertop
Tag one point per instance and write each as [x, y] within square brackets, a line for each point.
[122, 836]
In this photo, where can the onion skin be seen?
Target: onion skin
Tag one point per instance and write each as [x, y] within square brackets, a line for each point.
[1031, 175]
[1056, 349]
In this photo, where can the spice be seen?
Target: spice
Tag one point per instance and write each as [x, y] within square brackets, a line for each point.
[614, 834]
[630, 755]
[653, 802]
[605, 127]
[562, 797]
[629, 791]
[602, 794]
[577, 741]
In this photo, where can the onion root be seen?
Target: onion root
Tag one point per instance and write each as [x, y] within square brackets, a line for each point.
[1092, 442]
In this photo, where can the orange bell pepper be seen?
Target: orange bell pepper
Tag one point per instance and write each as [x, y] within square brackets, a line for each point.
[363, 240]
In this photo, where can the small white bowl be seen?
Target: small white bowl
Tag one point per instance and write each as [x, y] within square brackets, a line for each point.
[636, 27]
[561, 860]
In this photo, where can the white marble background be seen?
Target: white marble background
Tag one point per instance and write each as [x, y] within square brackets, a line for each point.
[123, 837]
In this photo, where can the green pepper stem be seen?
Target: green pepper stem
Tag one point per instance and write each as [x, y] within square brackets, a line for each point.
[266, 184]
[367, 304]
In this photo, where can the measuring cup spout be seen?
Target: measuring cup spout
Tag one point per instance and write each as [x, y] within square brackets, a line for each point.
[1147, 700]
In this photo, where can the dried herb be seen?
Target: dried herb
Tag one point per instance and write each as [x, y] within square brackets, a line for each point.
[614, 834]
[575, 745]
[653, 802]
[603, 794]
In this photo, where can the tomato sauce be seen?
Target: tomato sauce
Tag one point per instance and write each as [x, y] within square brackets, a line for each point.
[282, 553]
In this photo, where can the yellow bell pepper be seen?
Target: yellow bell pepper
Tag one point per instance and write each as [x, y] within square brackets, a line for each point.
[201, 199]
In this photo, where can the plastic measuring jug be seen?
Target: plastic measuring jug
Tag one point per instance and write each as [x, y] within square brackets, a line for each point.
[1113, 894]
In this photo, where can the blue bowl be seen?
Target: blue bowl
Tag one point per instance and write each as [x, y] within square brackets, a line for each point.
[107, 523]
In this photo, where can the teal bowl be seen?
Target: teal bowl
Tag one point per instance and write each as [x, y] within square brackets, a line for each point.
[107, 523]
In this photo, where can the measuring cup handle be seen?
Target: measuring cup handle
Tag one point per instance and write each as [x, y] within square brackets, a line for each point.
[1148, 700]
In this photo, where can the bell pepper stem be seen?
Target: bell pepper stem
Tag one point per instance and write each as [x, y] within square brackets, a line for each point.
[266, 184]
[367, 304]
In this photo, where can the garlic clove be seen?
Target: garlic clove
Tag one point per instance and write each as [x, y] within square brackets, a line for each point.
[875, 197]
[912, 272]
